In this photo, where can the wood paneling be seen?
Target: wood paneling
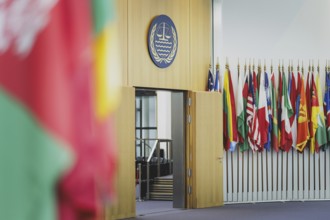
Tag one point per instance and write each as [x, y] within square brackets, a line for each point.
[141, 70]
[206, 149]
[123, 40]
[200, 42]
[124, 204]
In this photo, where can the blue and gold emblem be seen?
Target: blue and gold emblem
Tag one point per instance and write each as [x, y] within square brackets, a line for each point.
[162, 41]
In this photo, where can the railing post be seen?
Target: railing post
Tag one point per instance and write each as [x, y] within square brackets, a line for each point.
[158, 159]
[147, 181]
[140, 181]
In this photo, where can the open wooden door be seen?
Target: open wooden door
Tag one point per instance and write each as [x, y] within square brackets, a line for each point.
[124, 204]
[205, 150]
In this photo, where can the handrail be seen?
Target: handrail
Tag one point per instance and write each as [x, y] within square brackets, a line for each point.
[156, 147]
[152, 151]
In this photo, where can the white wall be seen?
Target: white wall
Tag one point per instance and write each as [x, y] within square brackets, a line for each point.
[272, 29]
[164, 114]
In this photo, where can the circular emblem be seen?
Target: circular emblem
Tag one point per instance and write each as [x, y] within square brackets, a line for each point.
[162, 41]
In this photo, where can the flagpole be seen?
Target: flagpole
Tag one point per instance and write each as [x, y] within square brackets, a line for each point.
[326, 66]
[271, 66]
[238, 67]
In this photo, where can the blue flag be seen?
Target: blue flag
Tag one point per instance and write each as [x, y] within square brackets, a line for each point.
[217, 81]
[270, 118]
[210, 83]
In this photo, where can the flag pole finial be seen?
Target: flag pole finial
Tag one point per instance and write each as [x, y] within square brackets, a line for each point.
[318, 66]
[309, 65]
[245, 66]
[279, 66]
[253, 67]
[265, 65]
[218, 64]
[238, 67]
[227, 64]
[298, 67]
[302, 67]
[283, 66]
[313, 66]
[292, 65]
[271, 65]
[326, 65]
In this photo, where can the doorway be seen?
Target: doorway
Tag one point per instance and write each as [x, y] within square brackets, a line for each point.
[160, 150]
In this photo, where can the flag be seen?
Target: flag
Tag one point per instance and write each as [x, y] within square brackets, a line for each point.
[275, 134]
[301, 108]
[59, 134]
[242, 91]
[217, 80]
[84, 190]
[286, 113]
[251, 117]
[315, 109]
[293, 99]
[229, 113]
[279, 106]
[263, 114]
[106, 49]
[269, 106]
[321, 133]
[210, 82]
[309, 105]
[327, 103]
[36, 107]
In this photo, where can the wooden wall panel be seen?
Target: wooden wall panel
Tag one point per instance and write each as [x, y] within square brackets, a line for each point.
[141, 70]
[124, 205]
[207, 150]
[200, 42]
[122, 28]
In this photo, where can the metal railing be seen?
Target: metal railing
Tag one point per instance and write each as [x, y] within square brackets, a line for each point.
[154, 155]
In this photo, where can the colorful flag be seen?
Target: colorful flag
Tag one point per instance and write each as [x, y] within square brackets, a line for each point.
[107, 78]
[315, 109]
[210, 81]
[36, 109]
[217, 80]
[275, 134]
[84, 190]
[287, 111]
[309, 105]
[59, 140]
[242, 91]
[327, 103]
[301, 108]
[279, 105]
[229, 113]
[321, 133]
[269, 106]
[293, 98]
[263, 114]
[252, 118]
